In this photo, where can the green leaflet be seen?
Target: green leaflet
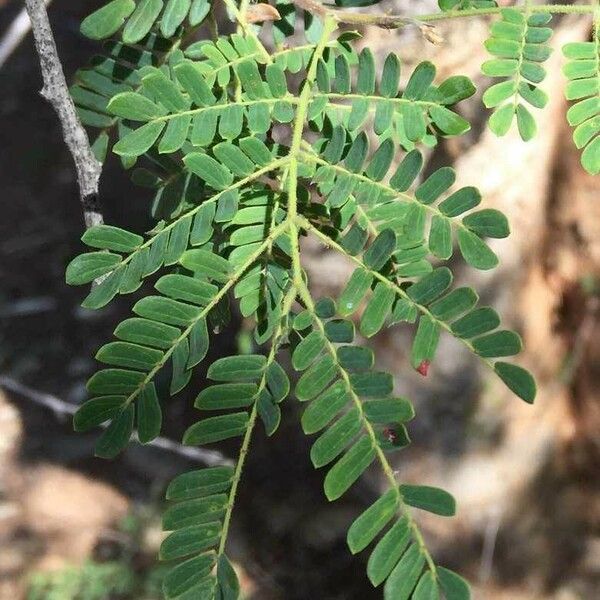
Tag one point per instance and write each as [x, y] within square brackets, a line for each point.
[237, 368]
[476, 322]
[141, 20]
[269, 412]
[372, 521]
[87, 267]
[388, 410]
[226, 396]
[196, 484]
[189, 540]
[97, 411]
[149, 415]
[452, 305]
[117, 435]
[380, 250]
[427, 588]
[405, 575]
[499, 343]
[388, 552]
[377, 310]
[146, 332]
[308, 350]
[229, 585]
[517, 379]
[349, 468]
[206, 264]
[107, 237]
[208, 169]
[139, 141]
[277, 382]
[331, 443]
[173, 16]
[355, 358]
[425, 342]
[315, 379]
[323, 409]
[165, 310]
[453, 585]
[353, 293]
[134, 106]
[190, 575]
[475, 251]
[107, 20]
[188, 289]
[124, 354]
[431, 286]
[429, 498]
[215, 429]
[192, 512]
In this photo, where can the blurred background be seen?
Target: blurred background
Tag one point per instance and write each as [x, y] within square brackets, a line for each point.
[526, 478]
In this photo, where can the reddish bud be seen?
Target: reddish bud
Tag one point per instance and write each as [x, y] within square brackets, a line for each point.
[423, 368]
[390, 435]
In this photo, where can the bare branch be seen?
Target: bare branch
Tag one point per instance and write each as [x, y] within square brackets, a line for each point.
[61, 408]
[56, 91]
[353, 18]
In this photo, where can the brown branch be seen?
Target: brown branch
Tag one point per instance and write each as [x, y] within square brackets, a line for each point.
[56, 91]
[352, 18]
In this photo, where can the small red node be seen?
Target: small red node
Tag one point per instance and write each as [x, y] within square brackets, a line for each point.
[390, 435]
[423, 368]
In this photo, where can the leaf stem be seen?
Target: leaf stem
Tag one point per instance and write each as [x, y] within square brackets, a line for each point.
[297, 129]
[195, 111]
[399, 21]
[239, 15]
[383, 461]
[277, 338]
[476, 12]
[372, 98]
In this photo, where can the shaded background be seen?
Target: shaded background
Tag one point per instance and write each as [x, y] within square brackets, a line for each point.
[527, 479]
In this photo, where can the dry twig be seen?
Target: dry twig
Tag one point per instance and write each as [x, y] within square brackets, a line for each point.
[56, 91]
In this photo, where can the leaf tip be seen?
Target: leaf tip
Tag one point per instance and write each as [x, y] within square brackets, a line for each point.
[423, 367]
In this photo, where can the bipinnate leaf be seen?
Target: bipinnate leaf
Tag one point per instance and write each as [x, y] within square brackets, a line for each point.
[246, 152]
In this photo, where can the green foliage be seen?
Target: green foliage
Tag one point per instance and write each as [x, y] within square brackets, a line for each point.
[249, 143]
[519, 44]
[141, 16]
[583, 72]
